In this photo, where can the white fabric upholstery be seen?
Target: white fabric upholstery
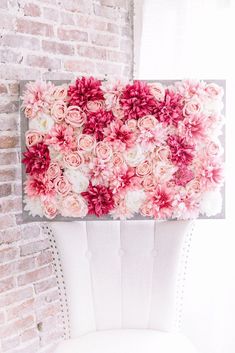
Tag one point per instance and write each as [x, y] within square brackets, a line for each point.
[128, 341]
[120, 274]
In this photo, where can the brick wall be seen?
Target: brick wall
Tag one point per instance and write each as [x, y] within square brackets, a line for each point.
[49, 39]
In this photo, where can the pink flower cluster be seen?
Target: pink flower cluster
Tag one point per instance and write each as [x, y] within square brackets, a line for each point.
[99, 148]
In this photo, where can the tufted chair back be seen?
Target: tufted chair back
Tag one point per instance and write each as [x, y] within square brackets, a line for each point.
[114, 275]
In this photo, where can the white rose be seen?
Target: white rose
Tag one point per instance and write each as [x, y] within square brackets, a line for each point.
[43, 123]
[78, 180]
[134, 200]
[211, 203]
[134, 156]
[212, 106]
[164, 171]
[33, 206]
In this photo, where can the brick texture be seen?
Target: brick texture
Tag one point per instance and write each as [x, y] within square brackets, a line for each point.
[53, 40]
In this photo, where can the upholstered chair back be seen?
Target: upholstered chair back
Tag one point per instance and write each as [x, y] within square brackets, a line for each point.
[114, 275]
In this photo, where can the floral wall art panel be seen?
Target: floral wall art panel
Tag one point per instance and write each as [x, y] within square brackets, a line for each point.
[95, 149]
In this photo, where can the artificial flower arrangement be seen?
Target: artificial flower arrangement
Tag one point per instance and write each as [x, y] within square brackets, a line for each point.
[120, 150]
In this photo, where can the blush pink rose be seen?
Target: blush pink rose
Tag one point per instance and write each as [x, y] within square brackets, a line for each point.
[103, 151]
[62, 186]
[147, 122]
[74, 205]
[75, 116]
[144, 168]
[157, 90]
[94, 106]
[118, 161]
[146, 209]
[162, 153]
[86, 142]
[149, 183]
[59, 111]
[33, 137]
[192, 107]
[28, 112]
[49, 207]
[73, 160]
[213, 90]
[53, 171]
[132, 124]
[60, 92]
[118, 112]
[212, 149]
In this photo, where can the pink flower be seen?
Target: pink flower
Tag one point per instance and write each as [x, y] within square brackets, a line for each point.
[124, 181]
[161, 202]
[149, 182]
[73, 159]
[73, 205]
[157, 90]
[96, 122]
[147, 122]
[118, 162]
[181, 152]
[61, 137]
[120, 209]
[99, 172]
[137, 100]
[53, 171]
[36, 159]
[86, 142]
[49, 207]
[59, 111]
[94, 106]
[112, 94]
[151, 138]
[84, 91]
[131, 124]
[33, 137]
[75, 116]
[183, 175]
[60, 93]
[39, 186]
[170, 111]
[192, 128]
[211, 174]
[144, 168]
[100, 200]
[213, 90]
[192, 107]
[62, 186]
[103, 151]
[119, 134]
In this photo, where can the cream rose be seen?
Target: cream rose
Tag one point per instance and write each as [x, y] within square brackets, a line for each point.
[192, 107]
[213, 90]
[59, 111]
[78, 180]
[28, 112]
[162, 153]
[33, 137]
[94, 106]
[86, 142]
[74, 206]
[148, 182]
[60, 92]
[118, 161]
[132, 124]
[211, 203]
[134, 199]
[50, 209]
[62, 186]
[146, 209]
[163, 171]
[75, 116]
[157, 90]
[134, 156]
[147, 122]
[144, 168]
[118, 112]
[53, 171]
[73, 160]
[103, 151]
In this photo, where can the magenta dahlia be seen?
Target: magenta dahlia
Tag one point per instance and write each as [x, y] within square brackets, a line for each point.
[84, 90]
[181, 152]
[170, 111]
[183, 176]
[137, 101]
[161, 202]
[99, 199]
[37, 159]
[97, 122]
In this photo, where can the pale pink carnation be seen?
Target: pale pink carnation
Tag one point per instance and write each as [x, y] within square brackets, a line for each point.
[61, 137]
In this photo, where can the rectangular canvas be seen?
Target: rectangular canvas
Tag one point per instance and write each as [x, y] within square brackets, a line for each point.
[95, 150]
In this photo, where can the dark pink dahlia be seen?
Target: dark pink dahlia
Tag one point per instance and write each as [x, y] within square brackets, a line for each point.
[99, 199]
[39, 186]
[97, 122]
[37, 159]
[84, 90]
[161, 201]
[137, 101]
[181, 152]
[170, 111]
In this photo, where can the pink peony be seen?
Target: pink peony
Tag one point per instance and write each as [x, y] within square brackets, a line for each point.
[100, 200]
[36, 159]
[181, 152]
[119, 134]
[61, 137]
[137, 100]
[85, 90]
[97, 122]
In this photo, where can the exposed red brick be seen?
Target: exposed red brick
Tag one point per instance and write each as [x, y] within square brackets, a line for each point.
[8, 254]
[30, 231]
[8, 122]
[43, 61]
[45, 285]
[16, 296]
[9, 141]
[92, 52]
[84, 6]
[34, 247]
[5, 285]
[57, 48]
[9, 235]
[32, 10]
[44, 258]
[21, 41]
[50, 14]
[80, 66]
[21, 310]
[7, 221]
[8, 158]
[10, 343]
[5, 190]
[16, 326]
[48, 311]
[3, 88]
[106, 40]
[72, 34]
[9, 107]
[29, 334]
[34, 276]
[36, 28]
[11, 205]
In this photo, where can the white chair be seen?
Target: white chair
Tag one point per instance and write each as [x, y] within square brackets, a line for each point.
[121, 285]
